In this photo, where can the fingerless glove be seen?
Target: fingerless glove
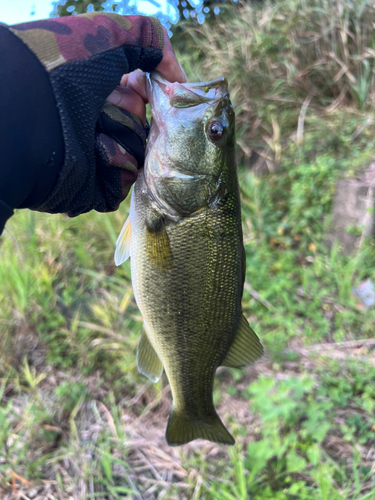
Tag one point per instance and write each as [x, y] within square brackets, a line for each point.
[85, 57]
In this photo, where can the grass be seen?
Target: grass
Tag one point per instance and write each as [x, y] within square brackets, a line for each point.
[76, 418]
[282, 59]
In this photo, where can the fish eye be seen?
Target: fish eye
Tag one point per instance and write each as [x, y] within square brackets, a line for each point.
[215, 130]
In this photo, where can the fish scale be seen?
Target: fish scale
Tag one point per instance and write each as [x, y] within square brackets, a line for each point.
[202, 324]
[187, 257]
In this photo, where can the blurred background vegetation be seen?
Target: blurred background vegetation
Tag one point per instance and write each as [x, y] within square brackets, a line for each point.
[78, 421]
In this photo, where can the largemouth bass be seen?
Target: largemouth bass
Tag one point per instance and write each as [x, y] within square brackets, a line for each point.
[184, 238]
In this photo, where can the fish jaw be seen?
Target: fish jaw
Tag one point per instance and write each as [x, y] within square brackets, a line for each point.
[185, 94]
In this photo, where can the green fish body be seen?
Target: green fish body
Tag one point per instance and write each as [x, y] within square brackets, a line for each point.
[184, 237]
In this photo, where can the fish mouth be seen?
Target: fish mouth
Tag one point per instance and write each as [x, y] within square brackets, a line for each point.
[183, 95]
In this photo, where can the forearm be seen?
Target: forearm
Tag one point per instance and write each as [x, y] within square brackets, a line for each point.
[31, 141]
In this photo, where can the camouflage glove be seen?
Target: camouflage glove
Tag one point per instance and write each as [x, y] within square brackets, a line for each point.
[85, 57]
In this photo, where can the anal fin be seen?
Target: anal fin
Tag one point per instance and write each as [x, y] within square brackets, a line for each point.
[246, 347]
[148, 362]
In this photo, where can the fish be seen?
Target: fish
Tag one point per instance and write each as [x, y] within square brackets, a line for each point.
[184, 239]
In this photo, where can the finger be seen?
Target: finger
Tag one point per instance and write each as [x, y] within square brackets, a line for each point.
[169, 67]
[136, 80]
[125, 128]
[126, 98]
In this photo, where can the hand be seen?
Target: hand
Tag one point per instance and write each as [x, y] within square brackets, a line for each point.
[131, 93]
[85, 58]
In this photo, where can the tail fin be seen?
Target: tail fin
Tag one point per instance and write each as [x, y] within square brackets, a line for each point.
[182, 431]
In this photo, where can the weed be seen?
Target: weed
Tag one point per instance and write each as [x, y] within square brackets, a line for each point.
[76, 418]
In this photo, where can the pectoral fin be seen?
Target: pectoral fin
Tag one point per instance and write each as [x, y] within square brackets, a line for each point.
[148, 361]
[157, 243]
[123, 243]
[245, 349]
